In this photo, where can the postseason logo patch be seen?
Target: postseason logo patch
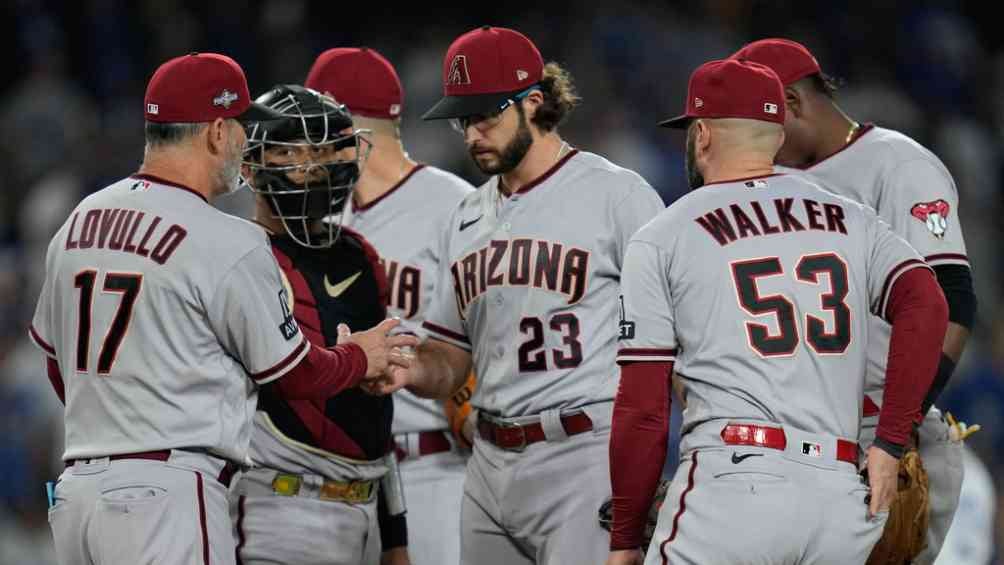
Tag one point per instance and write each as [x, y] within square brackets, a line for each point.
[288, 326]
[626, 326]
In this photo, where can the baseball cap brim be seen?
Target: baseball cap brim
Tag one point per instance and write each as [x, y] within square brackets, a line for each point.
[679, 122]
[258, 113]
[469, 105]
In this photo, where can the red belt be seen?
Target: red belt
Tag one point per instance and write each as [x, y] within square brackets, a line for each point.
[517, 436]
[428, 443]
[774, 438]
[226, 474]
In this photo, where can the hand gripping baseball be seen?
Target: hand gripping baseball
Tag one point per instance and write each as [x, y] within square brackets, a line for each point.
[383, 355]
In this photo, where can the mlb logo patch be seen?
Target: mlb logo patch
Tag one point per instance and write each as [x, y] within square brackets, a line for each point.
[759, 183]
[812, 449]
[152, 109]
[395, 109]
[770, 108]
[698, 102]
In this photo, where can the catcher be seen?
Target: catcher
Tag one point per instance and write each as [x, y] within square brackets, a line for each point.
[325, 469]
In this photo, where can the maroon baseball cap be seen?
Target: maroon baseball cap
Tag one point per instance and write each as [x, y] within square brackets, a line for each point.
[200, 87]
[483, 69]
[360, 78]
[731, 88]
[791, 60]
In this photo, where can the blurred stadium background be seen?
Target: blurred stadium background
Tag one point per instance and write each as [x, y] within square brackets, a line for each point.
[71, 112]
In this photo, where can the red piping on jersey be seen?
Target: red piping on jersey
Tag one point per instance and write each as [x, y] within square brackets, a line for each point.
[445, 332]
[284, 364]
[41, 342]
[202, 518]
[679, 512]
[165, 182]
[56, 378]
[946, 256]
[744, 179]
[396, 186]
[865, 128]
[240, 530]
[537, 181]
[647, 352]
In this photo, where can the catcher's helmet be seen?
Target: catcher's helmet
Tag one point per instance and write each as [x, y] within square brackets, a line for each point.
[292, 162]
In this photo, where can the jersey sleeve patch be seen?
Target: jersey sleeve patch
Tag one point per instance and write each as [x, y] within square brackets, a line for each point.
[934, 215]
[445, 334]
[283, 367]
[645, 354]
[41, 343]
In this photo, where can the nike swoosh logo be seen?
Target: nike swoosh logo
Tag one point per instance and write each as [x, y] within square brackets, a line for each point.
[464, 225]
[736, 458]
[335, 290]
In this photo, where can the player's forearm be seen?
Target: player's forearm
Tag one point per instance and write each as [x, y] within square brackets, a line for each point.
[324, 372]
[956, 337]
[951, 350]
[438, 369]
[957, 284]
[637, 447]
[919, 316]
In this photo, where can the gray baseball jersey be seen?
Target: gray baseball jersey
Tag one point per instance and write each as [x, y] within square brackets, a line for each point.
[157, 308]
[531, 284]
[760, 290]
[404, 225]
[910, 188]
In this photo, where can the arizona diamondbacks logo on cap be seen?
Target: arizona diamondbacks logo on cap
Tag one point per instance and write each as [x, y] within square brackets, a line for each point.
[225, 99]
[458, 71]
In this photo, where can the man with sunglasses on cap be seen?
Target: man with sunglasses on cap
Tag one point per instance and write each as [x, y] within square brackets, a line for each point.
[911, 189]
[755, 289]
[166, 316]
[532, 261]
[400, 206]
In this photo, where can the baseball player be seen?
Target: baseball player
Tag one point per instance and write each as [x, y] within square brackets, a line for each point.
[910, 189]
[400, 206]
[325, 471]
[165, 316]
[754, 289]
[532, 261]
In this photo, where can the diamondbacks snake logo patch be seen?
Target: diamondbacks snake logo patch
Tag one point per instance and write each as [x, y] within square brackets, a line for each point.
[934, 215]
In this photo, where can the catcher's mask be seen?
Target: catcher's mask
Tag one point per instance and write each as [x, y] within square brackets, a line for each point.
[305, 164]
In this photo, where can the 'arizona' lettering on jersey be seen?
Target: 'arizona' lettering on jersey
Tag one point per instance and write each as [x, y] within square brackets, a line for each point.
[554, 267]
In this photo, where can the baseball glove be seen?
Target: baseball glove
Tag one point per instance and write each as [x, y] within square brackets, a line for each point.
[905, 533]
[607, 514]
